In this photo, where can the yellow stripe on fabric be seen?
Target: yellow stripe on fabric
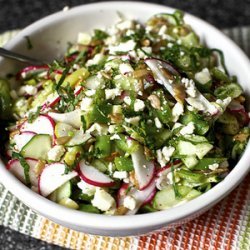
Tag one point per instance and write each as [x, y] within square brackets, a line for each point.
[56, 234]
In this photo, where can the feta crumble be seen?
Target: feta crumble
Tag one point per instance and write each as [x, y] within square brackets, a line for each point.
[203, 76]
[103, 200]
[139, 105]
[112, 93]
[86, 188]
[130, 202]
[120, 174]
[213, 166]
[177, 111]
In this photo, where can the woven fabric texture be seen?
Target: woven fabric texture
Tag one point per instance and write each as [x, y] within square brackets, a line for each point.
[225, 226]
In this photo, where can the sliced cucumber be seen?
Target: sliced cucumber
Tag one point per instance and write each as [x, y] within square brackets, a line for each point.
[189, 149]
[64, 191]
[88, 208]
[69, 203]
[63, 129]
[165, 198]
[190, 161]
[37, 147]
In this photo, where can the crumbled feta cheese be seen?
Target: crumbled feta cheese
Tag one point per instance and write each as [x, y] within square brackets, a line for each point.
[122, 47]
[213, 166]
[103, 200]
[190, 87]
[112, 129]
[167, 152]
[86, 188]
[188, 129]
[177, 111]
[56, 153]
[112, 93]
[170, 178]
[224, 103]
[133, 120]
[127, 24]
[111, 167]
[83, 38]
[130, 202]
[203, 76]
[115, 137]
[158, 123]
[95, 60]
[127, 100]
[90, 92]
[139, 105]
[27, 89]
[86, 103]
[120, 175]
[162, 30]
[125, 68]
[160, 158]
[98, 129]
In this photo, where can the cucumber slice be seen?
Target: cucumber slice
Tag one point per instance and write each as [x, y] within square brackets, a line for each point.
[69, 203]
[64, 191]
[63, 129]
[88, 208]
[165, 198]
[189, 149]
[37, 147]
[190, 161]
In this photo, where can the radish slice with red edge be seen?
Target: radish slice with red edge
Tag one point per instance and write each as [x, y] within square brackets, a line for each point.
[30, 70]
[15, 167]
[22, 139]
[165, 73]
[141, 196]
[168, 167]
[144, 169]
[43, 124]
[52, 177]
[93, 176]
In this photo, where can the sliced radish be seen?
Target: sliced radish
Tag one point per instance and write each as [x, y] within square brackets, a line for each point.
[141, 196]
[15, 167]
[22, 139]
[93, 176]
[31, 70]
[43, 124]
[52, 177]
[167, 168]
[165, 73]
[72, 118]
[144, 170]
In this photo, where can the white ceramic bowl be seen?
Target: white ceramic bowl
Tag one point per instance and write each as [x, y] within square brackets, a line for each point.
[49, 37]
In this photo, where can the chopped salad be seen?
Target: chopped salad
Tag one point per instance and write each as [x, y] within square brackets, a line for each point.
[134, 119]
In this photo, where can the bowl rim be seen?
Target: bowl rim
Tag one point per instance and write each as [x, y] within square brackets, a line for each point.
[139, 221]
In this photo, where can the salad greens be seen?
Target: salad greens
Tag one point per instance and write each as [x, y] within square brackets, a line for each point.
[136, 118]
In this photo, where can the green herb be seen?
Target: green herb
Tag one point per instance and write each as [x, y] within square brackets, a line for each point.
[84, 124]
[99, 35]
[32, 116]
[29, 44]
[24, 164]
[176, 191]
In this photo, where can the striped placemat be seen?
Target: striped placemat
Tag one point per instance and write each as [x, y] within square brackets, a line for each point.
[225, 226]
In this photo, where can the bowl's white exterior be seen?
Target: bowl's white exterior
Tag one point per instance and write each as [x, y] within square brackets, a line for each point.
[50, 37]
